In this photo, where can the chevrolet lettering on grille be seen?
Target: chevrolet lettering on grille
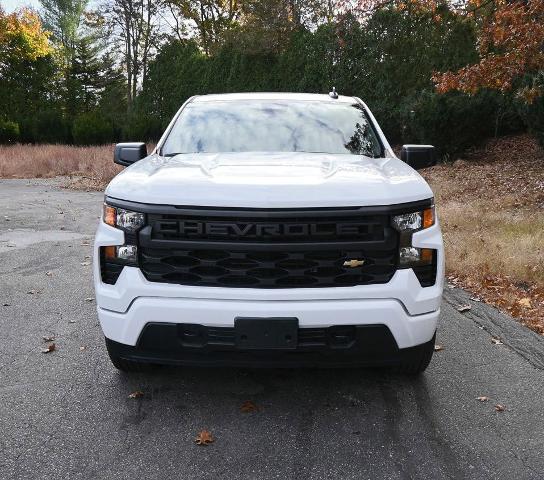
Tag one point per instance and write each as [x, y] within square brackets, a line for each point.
[229, 229]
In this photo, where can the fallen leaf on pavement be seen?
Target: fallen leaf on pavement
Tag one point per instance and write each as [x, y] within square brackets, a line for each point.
[500, 408]
[49, 274]
[204, 438]
[136, 394]
[496, 341]
[463, 308]
[248, 406]
[438, 348]
[482, 399]
[50, 348]
[48, 339]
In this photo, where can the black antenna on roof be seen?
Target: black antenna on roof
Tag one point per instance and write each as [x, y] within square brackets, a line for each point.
[333, 94]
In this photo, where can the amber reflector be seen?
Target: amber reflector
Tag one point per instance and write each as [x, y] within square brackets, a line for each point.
[428, 217]
[426, 255]
[110, 253]
[109, 215]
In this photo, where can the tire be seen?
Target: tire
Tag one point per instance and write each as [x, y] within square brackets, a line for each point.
[415, 360]
[122, 363]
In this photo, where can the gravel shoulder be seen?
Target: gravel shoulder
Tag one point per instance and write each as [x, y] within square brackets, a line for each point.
[67, 415]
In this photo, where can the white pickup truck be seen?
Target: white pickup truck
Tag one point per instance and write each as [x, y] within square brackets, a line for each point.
[270, 229]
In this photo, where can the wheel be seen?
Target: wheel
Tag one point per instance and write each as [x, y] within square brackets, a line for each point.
[415, 360]
[122, 363]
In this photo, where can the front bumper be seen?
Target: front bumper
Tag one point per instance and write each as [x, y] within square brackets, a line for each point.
[408, 330]
[195, 345]
[409, 311]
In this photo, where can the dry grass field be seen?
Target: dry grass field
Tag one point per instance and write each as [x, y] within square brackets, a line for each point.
[88, 167]
[491, 206]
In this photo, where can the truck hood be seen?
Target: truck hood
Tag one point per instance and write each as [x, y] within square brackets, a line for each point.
[269, 180]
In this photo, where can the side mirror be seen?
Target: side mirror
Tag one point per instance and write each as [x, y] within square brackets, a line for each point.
[418, 156]
[127, 153]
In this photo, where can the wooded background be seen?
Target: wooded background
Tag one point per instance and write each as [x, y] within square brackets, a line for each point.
[449, 73]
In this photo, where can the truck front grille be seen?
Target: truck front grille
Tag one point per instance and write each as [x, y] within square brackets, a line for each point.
[261, 269]
[268, 249]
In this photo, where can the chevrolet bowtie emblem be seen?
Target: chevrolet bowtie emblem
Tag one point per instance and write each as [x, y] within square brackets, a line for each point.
[354, 263]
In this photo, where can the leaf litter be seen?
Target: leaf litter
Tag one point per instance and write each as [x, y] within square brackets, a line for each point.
[506, 196]
[49, 348]
[248, 406]
[204, 438]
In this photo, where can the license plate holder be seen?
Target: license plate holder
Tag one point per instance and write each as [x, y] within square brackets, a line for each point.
[275, 333]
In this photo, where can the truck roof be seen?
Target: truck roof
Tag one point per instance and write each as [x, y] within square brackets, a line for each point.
[309, 97]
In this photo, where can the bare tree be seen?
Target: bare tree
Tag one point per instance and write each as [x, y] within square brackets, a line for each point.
[134, 23]
[211, 18]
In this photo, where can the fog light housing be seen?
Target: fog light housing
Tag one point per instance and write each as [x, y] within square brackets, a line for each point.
[409, 255]
[128, 253]
[413, 256]
[114, 258]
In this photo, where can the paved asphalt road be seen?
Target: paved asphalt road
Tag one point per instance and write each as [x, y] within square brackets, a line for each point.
[67, 414]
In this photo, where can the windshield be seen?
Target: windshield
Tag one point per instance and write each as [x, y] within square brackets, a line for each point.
[272, 126]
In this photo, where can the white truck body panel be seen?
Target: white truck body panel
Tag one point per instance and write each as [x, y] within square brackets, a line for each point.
[264, 180]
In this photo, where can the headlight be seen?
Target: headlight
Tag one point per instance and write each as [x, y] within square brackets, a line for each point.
[421, 260]
[113, 258]
[123, 219]
[412, 222]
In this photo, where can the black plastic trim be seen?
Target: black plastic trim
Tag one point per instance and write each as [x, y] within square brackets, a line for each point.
[109, 271]
[426, 274]
[265, 213]
[358, 345]
[146, 240]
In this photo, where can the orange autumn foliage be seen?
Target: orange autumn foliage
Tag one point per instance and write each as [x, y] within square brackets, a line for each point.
[363, 8]
[22, 36]
[510, 44]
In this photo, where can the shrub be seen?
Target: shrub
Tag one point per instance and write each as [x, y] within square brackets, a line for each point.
[143, 128]
[9, 131]
[534, 117]
[531, 108]
[46, 126]
[92, 129]
[50, 126]
[453, 122]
